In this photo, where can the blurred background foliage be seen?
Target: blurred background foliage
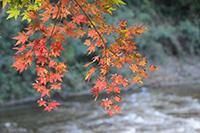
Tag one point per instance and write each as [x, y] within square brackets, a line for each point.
[173, 32]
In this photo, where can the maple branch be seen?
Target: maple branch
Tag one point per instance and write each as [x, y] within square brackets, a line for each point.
[49, 40]
[99, 34]
[91, 22]
[54, 25]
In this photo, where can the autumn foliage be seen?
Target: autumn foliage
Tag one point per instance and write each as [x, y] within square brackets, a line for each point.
[75, 19]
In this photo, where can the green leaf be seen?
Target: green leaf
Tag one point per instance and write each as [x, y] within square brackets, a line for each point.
[13, 12]
[25, 16]
[117, 2]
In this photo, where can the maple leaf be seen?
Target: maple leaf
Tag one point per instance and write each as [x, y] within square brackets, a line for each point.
[88, 75]
[109, 89]
[104, 70]
[100, 84]
[118, 98]
[117, 108]
[107, 103]
[56, 86]
[117, 89]
[41, 70]
[54, 104]
[91, 49]
[13, 12]
[48, 108]
[20, 49]
[111, 112]
[45, 92]
[117, 79]
[143, 74]
[61, 67]
[21, 62]
[39, 87]
[43, 79]
[22, 38]
[125, 82]
[137, 79]
[58, 76]
[153, 68]
[143, 62]
[52, 63]
[41, 102]
[134, 68]
[87, 42]
[79, 19]
[136, 56]
[95, 91]
[32, 15]
[41, 59]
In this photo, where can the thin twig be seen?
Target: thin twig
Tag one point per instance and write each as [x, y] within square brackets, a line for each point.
[49, 41]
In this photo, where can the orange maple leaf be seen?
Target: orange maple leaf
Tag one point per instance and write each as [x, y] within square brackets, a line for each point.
[143, 62]
[22, 38]
[118, 98]
[95, 91]
[134, 68]
[117, 108]
[117, 89]
[111, 112]
[137, 79]
[91, 49]
[153, 68]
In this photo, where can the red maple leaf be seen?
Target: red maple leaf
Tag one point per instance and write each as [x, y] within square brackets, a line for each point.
[48, 108]
[22, 38]
[41, 102]
[79, 19]
[56, 86]
[107, 103]
[54, 104]
[41, 70]
[117, 89]
[45, 92]
[100, 84]
[95, 91]
[20, 49]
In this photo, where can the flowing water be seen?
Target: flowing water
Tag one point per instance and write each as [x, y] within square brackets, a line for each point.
[163, 110]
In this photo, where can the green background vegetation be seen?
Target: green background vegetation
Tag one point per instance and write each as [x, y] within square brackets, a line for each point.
[173, 32]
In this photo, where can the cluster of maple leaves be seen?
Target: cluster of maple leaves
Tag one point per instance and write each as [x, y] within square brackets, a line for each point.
[68, 18]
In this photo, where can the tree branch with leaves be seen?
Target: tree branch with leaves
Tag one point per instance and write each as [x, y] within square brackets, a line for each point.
[75, 19]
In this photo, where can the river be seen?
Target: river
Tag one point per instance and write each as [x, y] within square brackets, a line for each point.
[159, 110]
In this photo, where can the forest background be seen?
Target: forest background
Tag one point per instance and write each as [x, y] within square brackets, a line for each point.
[173, 35]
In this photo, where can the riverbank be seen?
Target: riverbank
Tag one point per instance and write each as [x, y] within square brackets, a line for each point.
[173, 74]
